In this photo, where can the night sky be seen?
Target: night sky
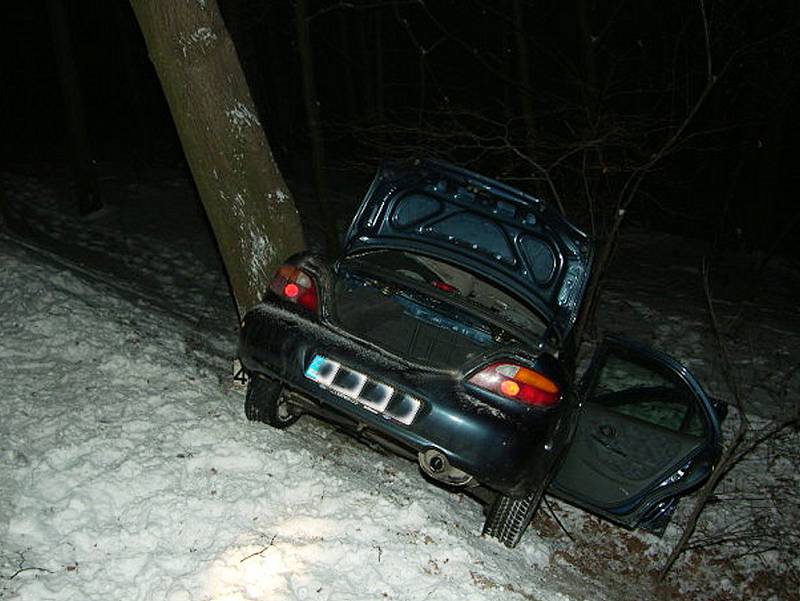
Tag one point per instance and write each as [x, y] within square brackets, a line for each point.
[607, 84]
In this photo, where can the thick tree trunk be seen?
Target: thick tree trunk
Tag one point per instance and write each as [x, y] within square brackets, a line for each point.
[369, 87]
[248, 204]
[379, 86]
[282, 106]
[241, 23]
[143, 146]
[347, 60]
[523, 71]
[314, 124]
[586, 44]
[86, 191]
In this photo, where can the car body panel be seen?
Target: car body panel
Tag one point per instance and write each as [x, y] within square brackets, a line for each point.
[641, 443]
[503, 444]
[516, 241]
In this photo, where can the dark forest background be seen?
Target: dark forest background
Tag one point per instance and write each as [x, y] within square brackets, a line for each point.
[572, 101]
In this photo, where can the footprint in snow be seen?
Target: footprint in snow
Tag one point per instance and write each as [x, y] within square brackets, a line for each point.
[14, 457]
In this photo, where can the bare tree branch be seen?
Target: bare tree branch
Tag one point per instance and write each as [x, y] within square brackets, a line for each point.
[737, 449]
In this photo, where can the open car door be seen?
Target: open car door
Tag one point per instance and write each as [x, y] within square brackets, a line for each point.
[646, 434]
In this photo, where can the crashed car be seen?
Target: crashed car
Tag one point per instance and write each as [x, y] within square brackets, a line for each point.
[443, 334]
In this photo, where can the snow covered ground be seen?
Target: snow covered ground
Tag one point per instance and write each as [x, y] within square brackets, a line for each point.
[127, 470]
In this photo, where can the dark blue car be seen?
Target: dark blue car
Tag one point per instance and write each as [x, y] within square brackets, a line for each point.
[443, 333]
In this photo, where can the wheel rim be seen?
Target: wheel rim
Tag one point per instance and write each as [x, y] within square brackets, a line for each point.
[282, 412]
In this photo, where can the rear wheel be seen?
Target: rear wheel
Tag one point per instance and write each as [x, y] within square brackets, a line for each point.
[508, 518]
[264, 402]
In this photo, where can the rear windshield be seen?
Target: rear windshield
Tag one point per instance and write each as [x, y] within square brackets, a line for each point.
[464, 286]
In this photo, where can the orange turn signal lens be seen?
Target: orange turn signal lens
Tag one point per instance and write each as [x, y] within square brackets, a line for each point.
[537, 380]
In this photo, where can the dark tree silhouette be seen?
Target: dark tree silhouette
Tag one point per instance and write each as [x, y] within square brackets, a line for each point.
[85, 189]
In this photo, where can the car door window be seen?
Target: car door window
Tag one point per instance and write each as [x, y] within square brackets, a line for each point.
[648, 395]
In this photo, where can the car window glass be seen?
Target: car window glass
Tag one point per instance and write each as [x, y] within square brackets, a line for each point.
[648, 394]
[696, 423]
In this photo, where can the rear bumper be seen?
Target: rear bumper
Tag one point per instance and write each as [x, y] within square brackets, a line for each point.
[502, 444]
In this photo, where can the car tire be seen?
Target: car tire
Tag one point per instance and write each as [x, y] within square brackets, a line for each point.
[508, 518]
[264, 402]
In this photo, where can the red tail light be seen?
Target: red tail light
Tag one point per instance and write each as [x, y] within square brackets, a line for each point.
[445, 287]
[296, 286]
[519, 383]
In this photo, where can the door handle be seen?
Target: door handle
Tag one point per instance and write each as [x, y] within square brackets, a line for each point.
[605, 435]
[607, 431]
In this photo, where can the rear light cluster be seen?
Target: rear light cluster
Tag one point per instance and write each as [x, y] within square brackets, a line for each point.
[296, 286]
[445, 287]
[519, 383]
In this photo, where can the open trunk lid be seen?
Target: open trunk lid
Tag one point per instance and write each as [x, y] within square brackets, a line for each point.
[515, 241]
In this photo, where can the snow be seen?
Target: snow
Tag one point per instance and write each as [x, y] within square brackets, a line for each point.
[203, 37]
[128, 471]
[253, 244]
[241, 116]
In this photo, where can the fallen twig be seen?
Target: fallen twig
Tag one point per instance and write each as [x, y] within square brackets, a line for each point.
[558, 521]
[260, 551]
[32, 568]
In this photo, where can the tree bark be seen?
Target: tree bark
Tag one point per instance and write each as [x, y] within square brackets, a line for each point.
[245, 197]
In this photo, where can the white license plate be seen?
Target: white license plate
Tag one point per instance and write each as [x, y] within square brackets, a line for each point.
[360, 388]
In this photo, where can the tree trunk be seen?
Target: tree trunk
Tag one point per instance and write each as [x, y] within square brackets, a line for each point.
[281, 106]
[140, 132]
[524, 74]
[86, 191]
[347, 63]
[314, 124]
[241, 23]
[586, 45]
[379, 86]
[248, 204]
